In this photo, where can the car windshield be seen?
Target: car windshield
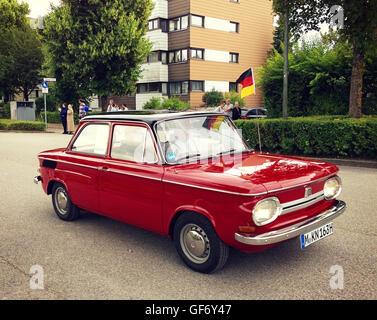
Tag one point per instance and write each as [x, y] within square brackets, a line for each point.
[198, 137]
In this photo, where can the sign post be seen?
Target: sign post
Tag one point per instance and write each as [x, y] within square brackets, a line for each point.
[45, 91]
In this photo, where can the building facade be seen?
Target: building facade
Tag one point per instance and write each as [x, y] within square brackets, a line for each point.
[199, 46]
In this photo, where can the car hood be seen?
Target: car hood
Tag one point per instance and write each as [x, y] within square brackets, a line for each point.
[252, 173]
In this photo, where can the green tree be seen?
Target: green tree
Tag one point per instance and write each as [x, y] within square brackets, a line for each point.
[357, 22]
[97, 46]
[12, 19]
[26, 51]
[13, 14]
[299, 16]
[359, 28]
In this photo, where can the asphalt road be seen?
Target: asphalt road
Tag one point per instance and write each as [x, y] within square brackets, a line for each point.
[97, 258]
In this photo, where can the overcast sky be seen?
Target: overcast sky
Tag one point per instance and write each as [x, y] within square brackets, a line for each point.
[39, 7]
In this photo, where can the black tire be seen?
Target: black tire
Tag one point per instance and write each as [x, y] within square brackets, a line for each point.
[67, 212]
[198, 244]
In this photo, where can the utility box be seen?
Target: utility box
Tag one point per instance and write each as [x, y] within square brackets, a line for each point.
[22, 110]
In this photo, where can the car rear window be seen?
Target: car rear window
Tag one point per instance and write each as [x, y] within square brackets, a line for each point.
[92, 139]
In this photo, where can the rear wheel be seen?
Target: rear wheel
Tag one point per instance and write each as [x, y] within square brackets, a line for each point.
[198, 244]
[63, 205]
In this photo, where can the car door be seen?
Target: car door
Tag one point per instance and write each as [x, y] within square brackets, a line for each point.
[80, 164]
[130, 181]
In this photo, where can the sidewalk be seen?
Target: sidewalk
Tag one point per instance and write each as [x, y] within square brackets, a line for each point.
[55, 128]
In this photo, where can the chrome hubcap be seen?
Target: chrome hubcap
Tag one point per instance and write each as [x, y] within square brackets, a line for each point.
[195, 243]
[61, 200]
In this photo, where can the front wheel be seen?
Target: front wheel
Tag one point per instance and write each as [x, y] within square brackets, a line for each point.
[64, 208]
[198, 244]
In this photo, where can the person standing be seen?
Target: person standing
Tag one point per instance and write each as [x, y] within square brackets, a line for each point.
[236, 111]
[70, 120]
[112, 107]
[63, 117]
[82, 112]
[124, 107]
[228, 106]
[221, 107]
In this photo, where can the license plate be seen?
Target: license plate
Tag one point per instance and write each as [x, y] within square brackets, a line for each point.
[313, 236]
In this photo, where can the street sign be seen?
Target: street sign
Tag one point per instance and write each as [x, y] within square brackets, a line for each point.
[44, 85]
[44, 90]
[49, 79]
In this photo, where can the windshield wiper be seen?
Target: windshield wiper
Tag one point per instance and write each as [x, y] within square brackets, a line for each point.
[225, 152]
[189, 156]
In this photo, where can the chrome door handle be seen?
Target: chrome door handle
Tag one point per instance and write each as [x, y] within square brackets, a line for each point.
[102, 168]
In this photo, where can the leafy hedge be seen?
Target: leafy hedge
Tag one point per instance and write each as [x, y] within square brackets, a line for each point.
[172, 103]
[314, 136]
[6, 124]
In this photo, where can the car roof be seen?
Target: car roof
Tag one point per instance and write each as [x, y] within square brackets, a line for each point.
[148, 116]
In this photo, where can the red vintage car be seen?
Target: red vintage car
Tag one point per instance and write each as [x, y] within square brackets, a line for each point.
[191, 176]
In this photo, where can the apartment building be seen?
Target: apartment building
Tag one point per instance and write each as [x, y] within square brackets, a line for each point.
[203, 45]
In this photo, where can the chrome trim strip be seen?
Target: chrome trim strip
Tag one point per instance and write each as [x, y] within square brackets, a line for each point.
[216, 190]
[133, 174]
[294, 230]
[302, 202]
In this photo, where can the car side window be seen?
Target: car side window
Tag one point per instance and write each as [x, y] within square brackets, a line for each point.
[92, 139]
[133, 143]
[252, 112]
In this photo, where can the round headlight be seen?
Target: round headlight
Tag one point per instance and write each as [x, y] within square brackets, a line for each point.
[266, 211]
[332, 188]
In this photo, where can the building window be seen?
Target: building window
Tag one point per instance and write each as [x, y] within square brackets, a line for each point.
[177, 24]
[153, 57]
[233, 57]
[179, 87]
[184, 22]
[175, 88]
[234, 27]
[153, 24]
[177, 56]
[233, 86]
[152, 87]
[197, 53]
[164, 25]
[197, 21]
[142, 88]
[164, 57]
[157, 56]
[185, 87]
[197, 85]
[164, 88]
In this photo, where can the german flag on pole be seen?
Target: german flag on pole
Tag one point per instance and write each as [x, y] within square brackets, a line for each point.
[248, 84]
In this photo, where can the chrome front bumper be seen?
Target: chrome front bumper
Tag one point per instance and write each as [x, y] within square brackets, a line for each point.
[296, 229]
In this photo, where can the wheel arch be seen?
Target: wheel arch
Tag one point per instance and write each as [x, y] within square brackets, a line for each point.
[51, 185]
[188, 210]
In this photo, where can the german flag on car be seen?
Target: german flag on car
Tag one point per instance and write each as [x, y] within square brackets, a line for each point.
[247, 81]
